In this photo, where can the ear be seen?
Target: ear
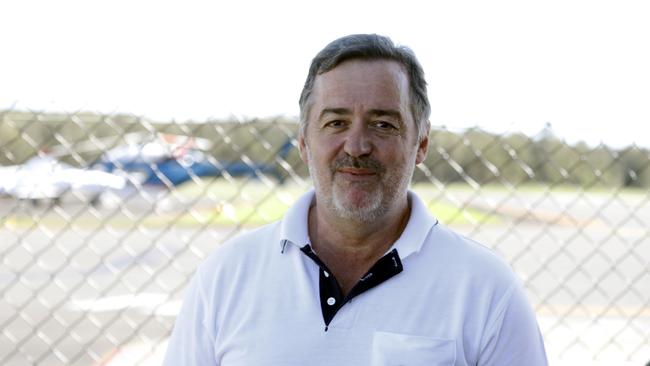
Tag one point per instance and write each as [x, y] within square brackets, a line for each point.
[423, 147]
[302, 147]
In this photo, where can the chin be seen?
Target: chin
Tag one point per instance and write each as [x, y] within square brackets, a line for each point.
[362, 206]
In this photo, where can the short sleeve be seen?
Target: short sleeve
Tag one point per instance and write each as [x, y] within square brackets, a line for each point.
[191, 343]
[514, 338]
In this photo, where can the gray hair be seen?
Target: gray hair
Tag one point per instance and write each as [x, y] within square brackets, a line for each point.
[370, 47]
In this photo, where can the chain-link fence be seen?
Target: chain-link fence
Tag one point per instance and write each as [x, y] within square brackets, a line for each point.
[103, 219]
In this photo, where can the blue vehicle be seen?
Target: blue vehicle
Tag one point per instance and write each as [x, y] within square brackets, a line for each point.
[160, 163]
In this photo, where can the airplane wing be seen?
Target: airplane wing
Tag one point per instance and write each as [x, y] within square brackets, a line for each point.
[89, 180]
[47, 178]
[7, 176]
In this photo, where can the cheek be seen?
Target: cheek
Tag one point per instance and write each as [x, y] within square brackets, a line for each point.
[325, 148]
[315, 160]
[397, 154]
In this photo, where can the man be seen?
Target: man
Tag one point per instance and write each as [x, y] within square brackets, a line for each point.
[357, 272]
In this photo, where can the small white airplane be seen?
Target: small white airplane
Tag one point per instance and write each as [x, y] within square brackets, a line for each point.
[45, 178]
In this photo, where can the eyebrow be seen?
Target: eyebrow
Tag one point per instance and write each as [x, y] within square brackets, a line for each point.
[342, 111]
[373, 112]
[386, 112]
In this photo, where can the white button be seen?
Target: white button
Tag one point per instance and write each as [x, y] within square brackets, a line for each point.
[326, 274]
[331, 301]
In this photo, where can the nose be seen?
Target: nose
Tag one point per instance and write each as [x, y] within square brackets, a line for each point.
[357, 141]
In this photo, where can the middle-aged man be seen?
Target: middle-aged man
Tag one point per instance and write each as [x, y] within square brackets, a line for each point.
[357, 272]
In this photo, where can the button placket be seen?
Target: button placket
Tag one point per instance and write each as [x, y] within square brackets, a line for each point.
[331, 295]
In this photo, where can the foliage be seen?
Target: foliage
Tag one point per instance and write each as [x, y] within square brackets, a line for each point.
[472, 156]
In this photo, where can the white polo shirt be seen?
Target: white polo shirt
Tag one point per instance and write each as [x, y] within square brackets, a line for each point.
[264, 298]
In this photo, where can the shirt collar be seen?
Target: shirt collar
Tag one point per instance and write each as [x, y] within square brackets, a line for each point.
[294, 228]
[417, 229]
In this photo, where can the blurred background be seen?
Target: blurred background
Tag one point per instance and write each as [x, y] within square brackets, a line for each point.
[137, 137]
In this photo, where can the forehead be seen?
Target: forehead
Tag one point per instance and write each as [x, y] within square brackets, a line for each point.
[361, 84]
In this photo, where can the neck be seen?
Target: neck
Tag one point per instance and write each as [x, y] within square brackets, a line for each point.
[333, 233]
[350, 248]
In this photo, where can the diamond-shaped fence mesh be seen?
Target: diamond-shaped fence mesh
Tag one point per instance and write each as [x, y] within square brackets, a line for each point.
[103, 219]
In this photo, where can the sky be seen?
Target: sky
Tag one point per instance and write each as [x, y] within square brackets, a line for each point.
[505, 66]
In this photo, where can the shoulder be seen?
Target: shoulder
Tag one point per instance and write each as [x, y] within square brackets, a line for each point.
[251, 246]
[256, 239]
[477, 279]
[467, 250]
[467, 261]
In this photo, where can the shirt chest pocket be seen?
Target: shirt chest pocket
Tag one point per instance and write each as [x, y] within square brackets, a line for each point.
[393, 349]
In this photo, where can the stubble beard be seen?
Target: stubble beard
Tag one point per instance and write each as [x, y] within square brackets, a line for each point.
[371, 207]
[373, 203]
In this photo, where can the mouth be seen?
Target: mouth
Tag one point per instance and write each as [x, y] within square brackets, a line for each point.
[361, 172]
[357, 175]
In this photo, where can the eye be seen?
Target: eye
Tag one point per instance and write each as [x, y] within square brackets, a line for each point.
[383, 125]
[337, 123]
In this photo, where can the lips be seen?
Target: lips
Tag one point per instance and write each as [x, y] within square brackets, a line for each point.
[357, 171]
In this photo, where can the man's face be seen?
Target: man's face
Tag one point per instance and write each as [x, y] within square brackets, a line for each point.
[360, 143]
